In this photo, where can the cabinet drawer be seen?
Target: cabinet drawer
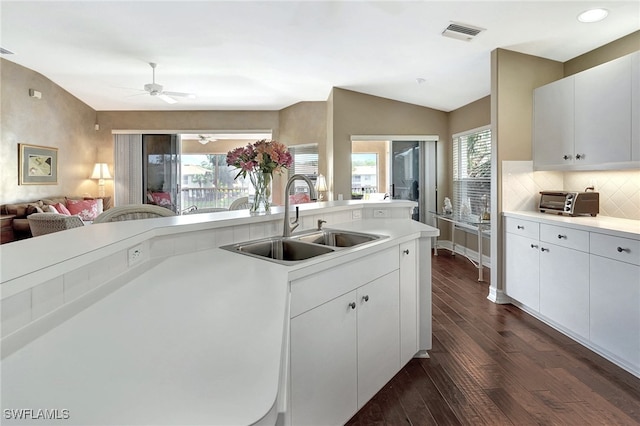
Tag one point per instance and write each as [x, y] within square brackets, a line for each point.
[565, 237]
[526, 228]
[617, 248]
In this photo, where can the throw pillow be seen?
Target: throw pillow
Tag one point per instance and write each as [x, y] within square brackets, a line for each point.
[161, 198]
[33, 208]
[86, 209]
[52, 209]
[62, 209]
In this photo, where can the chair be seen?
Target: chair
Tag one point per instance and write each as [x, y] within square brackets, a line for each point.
[46, 223]
[133, 212]
[240, 204]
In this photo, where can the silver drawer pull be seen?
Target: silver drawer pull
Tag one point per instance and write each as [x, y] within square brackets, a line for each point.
[626, 250]
[560, 236]
[405, 251]
[365, 298]
[535, 246]
[544, 249]
[352, 305]
[520, 227]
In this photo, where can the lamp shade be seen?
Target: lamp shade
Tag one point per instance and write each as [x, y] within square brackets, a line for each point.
[321, 183]
[101, 171]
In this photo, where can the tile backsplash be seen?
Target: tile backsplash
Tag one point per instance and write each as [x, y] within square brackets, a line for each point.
[619, 190]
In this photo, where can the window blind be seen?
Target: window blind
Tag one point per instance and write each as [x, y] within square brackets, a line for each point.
[472, 171]
[305, 160]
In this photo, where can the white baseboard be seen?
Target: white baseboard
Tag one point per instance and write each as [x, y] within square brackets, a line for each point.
[462, 250]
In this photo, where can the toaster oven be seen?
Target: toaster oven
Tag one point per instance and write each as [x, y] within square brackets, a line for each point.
[570, 203]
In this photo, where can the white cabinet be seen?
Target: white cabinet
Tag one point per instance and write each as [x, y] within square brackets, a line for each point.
[603, 113]
[346, 329]
[615, 297]
[587, 283]
[564, 287]
[522, 269]
[588, 121]
[553, 132]
[378, 338]
[324, 363]
[409, 302]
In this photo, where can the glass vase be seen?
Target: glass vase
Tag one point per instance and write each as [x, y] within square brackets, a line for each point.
[261, 202]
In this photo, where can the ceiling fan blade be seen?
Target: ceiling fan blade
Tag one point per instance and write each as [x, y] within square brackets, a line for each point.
[166, 98]
[180, 94]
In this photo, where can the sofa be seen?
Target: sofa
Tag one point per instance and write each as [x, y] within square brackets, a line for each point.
[20, 223]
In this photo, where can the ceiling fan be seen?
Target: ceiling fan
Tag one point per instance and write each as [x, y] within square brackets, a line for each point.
[155, 89]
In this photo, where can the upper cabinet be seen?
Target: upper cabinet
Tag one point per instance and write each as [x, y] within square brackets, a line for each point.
[589, 121]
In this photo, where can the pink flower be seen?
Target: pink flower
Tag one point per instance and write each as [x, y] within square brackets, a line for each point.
[265, 156]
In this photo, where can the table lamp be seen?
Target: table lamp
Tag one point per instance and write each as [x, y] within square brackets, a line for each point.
[321, 186]
[101, 172]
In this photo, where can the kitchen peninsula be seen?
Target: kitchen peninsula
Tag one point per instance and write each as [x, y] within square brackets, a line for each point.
[188, 333]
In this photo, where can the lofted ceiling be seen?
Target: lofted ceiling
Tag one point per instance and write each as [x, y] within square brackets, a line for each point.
[267, 55]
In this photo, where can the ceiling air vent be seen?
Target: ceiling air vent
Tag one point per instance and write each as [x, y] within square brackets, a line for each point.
[460, 31]
[4, 51]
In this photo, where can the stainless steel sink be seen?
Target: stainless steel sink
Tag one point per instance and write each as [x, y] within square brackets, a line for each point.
[281, 250]
[336, 238]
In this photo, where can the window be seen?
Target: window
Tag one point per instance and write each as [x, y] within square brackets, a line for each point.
[305, 162]
[364, 174]
[472, 171]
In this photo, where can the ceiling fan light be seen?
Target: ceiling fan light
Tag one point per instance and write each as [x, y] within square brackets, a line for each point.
[593, 15]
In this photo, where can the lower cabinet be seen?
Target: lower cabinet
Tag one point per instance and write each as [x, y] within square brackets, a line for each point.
[324, 366]
[409, 302]
[587, 283]
[343, 352]
[352, 328]
[564, 287]
[522, 270]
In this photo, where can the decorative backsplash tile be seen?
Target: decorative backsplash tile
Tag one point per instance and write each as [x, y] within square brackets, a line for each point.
[619, 190]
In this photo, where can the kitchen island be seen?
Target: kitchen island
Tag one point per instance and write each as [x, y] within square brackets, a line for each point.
[195, 336]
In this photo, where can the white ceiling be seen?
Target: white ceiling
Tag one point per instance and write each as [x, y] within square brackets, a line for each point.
[267, 55]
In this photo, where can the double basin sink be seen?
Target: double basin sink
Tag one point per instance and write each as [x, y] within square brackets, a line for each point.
[303, 246]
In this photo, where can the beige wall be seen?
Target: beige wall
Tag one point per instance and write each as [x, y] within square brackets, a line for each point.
[606, 53]
[353, 113]
[58, 120]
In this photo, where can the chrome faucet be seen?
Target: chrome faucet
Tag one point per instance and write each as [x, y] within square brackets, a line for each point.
[288, 225]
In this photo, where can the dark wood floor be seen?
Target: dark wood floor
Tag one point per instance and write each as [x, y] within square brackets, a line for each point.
[496, 365]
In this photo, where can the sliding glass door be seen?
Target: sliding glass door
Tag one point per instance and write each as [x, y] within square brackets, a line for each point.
[161, 163]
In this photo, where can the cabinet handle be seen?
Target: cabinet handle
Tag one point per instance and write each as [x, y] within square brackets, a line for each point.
[580, 156]
[520, 227]
[566, 157]
[535, 246]
[544, 249]
[560, 236]
[352, 305]
[365, 298]
[405, 251]
[626, 250]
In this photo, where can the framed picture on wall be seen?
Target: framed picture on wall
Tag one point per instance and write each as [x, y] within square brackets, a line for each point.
[38, 165]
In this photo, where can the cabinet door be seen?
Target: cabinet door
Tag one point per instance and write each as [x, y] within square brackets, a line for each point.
[615, 308]
[408, 302]
[553, 132]
[522, 270]
[378, 335]
[564, 287]
[603, 113]
[323, 363]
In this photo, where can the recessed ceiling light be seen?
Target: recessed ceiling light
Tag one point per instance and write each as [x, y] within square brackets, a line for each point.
[593, 15]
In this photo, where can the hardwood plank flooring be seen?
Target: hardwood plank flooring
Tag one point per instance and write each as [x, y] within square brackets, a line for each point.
[496, 365]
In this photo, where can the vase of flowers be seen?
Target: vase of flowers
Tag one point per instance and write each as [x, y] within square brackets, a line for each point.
[260, 160]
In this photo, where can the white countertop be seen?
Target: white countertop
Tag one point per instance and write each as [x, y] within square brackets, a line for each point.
[626, 228]
[197, 339]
